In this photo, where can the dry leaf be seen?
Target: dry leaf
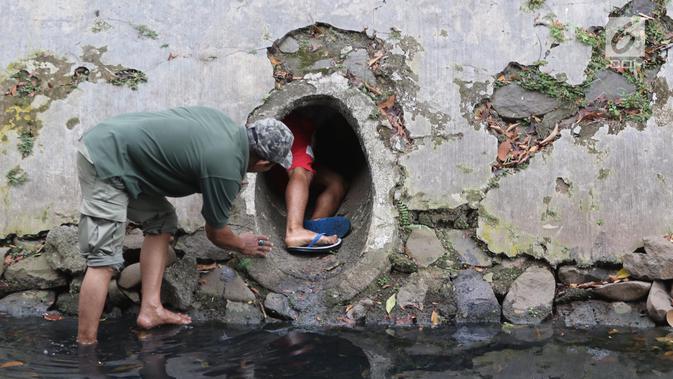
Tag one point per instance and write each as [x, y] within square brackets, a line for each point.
[372, 89]
[274, 60]
[551, 136]
[387, 103]
[503, 150]
[11, 364]
[390, 303]
[623, 274]
[501, 78]
[349, 307]
[378, 55]
[434, 318]
[52, 316]
[206, 266]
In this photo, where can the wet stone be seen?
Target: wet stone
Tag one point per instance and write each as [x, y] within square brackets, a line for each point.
[624, 291]
[424, 246]
[115, 297]
[567, 62]
[323, 64]
[475, 300]
[289, 45]
[62, 250]
[180, 281]
[512, 101]
[133, 240]
[76, 284]
[278, 305]
[68, 304]
[467, 249]
[33, 272]
[636, 7]
[570, 295]
[656, 263]
[531, 296]
[130, 276]
[609, 85]
[27, 303]
[359, 311]
[577, 275]
[658, 302]
[198, 246]
[402, 263]
[412, 294]
[3, 252]
[223, 282]
[552, 118]
[242, 314]
[357, 62]
[600, 313]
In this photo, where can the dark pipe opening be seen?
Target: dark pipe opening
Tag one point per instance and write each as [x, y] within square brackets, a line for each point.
[336, 146]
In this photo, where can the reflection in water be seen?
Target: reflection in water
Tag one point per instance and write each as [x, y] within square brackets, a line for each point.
[47, 349]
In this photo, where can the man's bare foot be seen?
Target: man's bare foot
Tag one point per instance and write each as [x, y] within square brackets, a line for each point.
[302, 237]
[83, 341]
[152, 317]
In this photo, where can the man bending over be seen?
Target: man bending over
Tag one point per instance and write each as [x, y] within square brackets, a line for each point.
[126, 167]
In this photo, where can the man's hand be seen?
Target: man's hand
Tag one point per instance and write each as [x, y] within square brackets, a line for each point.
[256, 245]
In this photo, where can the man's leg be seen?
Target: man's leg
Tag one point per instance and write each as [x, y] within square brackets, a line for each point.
[153, 257]
[296, 198]
[92, 298]
[101, 235]
[331, 197]
[159, 221]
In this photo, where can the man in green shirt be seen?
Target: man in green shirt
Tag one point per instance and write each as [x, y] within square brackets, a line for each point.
[129, 163]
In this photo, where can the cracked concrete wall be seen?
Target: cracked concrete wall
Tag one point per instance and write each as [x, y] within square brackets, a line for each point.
[215, 55]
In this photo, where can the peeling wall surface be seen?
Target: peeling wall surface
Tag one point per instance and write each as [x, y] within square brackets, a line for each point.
[581, 198]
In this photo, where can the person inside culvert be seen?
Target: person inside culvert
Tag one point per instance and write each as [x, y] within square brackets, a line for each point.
[322, 231]
[129, 163]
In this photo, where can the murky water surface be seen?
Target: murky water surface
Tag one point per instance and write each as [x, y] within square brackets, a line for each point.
[38, 348]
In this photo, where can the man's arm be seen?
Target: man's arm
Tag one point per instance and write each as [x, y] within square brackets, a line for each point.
[245, 243]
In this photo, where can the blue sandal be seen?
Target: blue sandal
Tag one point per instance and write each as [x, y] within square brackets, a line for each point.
[313, 248]
[329, 226]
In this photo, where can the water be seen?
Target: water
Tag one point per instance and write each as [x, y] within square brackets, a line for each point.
[46, 349]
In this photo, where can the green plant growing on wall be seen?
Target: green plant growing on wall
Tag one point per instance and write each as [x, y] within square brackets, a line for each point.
[557, 31]
[404, 216]
[100, 26]
[16, 176]
[534, 4]
[129, 77]
[25, 145]
[244, 265]
[535, 80]
[383, 280]
[145, 32]
[586, 37]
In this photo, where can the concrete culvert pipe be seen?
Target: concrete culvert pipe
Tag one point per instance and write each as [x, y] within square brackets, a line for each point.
[347, 141]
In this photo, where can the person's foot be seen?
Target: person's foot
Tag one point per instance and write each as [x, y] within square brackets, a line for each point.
[151, 317]
[302, 237]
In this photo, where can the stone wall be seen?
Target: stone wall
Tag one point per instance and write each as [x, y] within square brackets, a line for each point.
[503, 150]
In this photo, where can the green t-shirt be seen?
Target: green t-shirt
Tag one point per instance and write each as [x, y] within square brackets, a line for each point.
[174, 153]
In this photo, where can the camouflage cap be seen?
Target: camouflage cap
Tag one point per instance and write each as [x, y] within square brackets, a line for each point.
[270, 139]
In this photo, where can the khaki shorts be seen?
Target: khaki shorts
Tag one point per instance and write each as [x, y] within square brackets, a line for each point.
[104, 210]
